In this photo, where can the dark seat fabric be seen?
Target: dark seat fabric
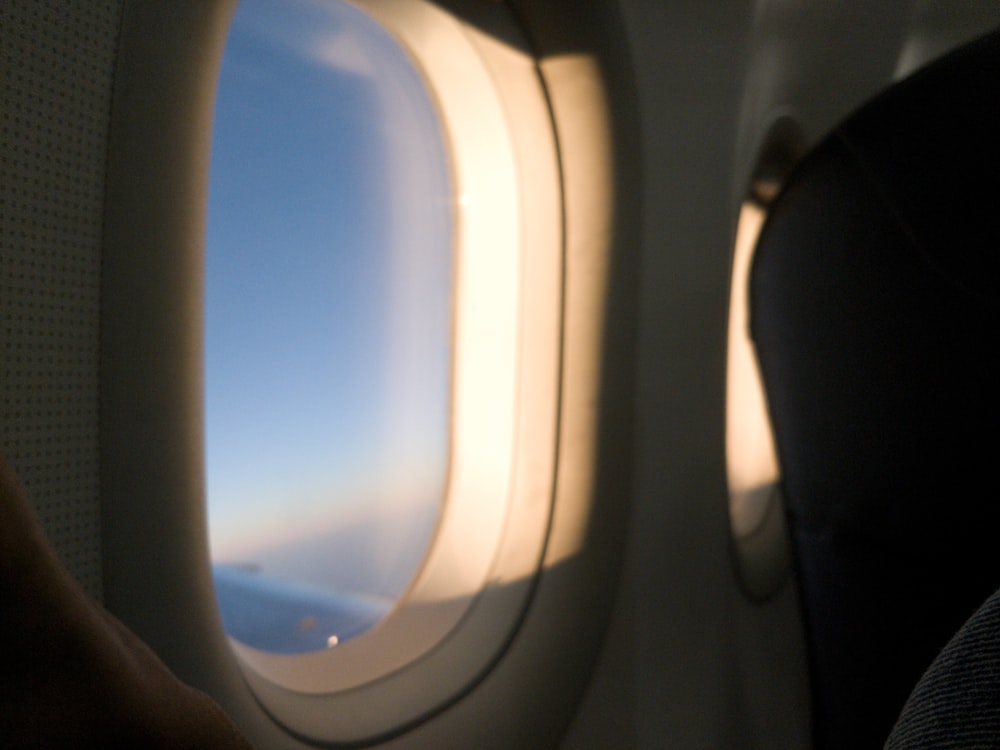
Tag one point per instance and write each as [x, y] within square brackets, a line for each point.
[875, 303]
[956, 704]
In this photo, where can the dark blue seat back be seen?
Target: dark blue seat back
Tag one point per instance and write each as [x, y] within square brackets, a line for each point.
[875, 309]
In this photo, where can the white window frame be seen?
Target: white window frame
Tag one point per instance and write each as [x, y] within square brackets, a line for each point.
[486, 552]
[546, 559]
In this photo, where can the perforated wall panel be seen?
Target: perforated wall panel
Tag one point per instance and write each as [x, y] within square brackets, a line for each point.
[56, 74]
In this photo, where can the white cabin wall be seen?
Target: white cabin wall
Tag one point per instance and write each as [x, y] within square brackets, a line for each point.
[674, 611]
[669, 666]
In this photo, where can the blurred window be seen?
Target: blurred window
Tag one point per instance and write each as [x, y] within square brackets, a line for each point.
[328, 324]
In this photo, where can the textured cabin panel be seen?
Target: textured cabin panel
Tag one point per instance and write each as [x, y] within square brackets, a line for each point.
[56, 74]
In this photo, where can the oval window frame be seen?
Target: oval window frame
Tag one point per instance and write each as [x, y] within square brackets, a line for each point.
[507, 299]
[544, 617]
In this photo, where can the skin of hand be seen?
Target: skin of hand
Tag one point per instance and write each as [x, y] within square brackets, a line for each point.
[73, 676]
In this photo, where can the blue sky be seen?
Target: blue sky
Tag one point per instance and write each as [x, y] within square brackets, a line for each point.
[328, 286]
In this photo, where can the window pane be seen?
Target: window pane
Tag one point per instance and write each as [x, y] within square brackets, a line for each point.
[328, 324]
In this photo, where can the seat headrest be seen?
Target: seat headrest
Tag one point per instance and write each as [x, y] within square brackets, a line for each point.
[875, 310]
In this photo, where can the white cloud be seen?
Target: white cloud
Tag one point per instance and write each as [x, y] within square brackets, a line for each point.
[343, 52]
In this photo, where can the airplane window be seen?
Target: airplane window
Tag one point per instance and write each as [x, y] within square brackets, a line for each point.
[754, 476]
[328, 325]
